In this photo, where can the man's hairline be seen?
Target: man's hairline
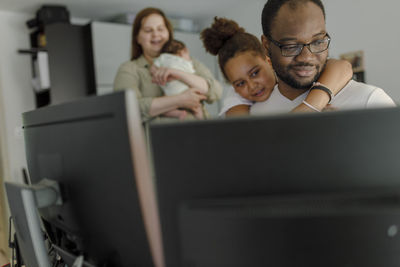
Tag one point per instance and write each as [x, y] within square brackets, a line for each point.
[293, 8]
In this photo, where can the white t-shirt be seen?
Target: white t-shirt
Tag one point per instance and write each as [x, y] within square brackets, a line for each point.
[354, 95]
[232, 99]
[175, 62]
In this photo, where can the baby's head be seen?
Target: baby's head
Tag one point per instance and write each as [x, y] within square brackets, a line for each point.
[242, 59]
[177, 48]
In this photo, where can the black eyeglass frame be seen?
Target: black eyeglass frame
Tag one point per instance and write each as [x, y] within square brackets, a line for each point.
[278, 44]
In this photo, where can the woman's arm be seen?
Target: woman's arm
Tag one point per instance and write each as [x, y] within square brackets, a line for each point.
[214, 87]
[162, 75]
[128, 77]
[189, 99]
[335, 76]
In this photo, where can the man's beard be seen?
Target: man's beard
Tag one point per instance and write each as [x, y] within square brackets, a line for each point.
[284, 75]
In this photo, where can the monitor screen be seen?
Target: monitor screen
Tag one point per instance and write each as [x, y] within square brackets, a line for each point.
[95, 149]
[205, 171]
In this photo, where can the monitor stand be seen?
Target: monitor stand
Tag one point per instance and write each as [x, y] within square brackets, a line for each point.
[23, 201]
[71, 259]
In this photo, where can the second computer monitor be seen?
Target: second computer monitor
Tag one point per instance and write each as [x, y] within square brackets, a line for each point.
[95, 150]
[216, 179]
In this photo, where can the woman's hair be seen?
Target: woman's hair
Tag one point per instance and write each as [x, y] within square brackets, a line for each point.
[226, 39]
[137, 50]
[173, 47]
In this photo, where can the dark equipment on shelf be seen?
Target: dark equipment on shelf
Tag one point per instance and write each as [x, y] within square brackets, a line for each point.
[49, 14]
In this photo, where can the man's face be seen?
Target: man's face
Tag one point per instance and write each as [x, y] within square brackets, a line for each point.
[302, 25]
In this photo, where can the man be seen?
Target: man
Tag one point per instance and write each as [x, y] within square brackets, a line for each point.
[297, 42]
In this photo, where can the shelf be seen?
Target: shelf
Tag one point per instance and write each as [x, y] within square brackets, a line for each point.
[31, 51]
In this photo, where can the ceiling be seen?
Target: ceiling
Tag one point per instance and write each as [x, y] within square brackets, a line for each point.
[104, 9]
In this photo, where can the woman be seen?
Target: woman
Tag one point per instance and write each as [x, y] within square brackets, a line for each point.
[151, 31]
[245, 64]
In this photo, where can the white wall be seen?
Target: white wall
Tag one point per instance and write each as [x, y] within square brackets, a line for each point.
[245, 14]
[366, 25]
[15, 89]
[16, 96]
[371, 26]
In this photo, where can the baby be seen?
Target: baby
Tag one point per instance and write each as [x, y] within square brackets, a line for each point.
[176, 55]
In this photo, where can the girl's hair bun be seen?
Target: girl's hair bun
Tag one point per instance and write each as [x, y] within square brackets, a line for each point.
[215, 37]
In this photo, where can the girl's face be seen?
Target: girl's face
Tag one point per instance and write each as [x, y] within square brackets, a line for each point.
[153, 35]
[251, 76]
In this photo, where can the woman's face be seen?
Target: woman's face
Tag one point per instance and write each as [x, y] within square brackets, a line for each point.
[153, 35]
[251, 76]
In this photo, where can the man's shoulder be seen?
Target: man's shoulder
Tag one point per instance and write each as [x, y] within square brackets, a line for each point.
[361, 95]
[354, 85]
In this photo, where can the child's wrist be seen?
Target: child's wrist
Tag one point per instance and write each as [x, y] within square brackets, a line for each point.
[317, 98]
[321, 87]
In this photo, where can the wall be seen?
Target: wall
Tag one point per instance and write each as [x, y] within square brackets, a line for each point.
[371, 26]
[16, 96]
[4, 253]
[246, 15]
[353, 25]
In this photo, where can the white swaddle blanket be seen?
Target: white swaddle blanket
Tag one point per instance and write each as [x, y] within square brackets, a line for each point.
[175, 62]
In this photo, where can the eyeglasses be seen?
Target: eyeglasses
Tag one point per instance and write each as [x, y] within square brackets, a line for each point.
[292, 50]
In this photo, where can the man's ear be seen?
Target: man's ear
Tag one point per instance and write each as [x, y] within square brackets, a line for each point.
[265, 43]
[268, 59]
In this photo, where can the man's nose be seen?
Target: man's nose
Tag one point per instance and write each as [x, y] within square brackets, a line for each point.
[305, 55]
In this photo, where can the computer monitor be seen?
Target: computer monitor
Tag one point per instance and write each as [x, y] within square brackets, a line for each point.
[284, 190]
[95, 150]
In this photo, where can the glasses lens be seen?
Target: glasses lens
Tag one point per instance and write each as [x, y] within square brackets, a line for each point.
[319, 45]
[291, 50]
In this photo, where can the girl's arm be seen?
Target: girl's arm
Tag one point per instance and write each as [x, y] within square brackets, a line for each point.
[239, 110]
[335, 76]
